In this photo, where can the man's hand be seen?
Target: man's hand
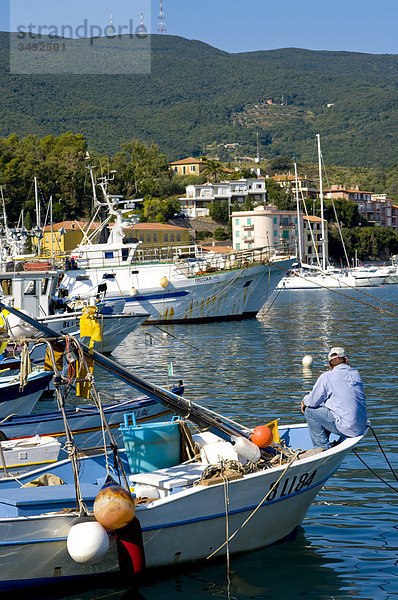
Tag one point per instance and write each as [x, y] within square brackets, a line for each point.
[303, 407]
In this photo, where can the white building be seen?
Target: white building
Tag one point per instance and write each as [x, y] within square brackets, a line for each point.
[279, 229]
[266, 226]
[198, 198]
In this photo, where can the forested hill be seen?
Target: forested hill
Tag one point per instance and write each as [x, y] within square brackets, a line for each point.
[197, 95]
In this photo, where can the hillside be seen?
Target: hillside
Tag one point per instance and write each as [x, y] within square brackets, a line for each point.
[197, 95]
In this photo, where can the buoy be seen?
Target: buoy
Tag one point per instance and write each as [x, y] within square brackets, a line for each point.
[87, 541]
[245, 448]
[262, 436]
[113, 507]
[307, 361]
[130, 548]
[164, 282]
[19, 328]
[133, 291]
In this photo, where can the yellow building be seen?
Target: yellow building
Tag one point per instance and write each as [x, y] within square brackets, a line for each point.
[157, 234]
[66, 235]
[188, 166]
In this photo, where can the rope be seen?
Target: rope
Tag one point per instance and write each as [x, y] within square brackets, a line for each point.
[374, 472]
[256, 509]
[226, 502]
[382, 451]
[175, 337]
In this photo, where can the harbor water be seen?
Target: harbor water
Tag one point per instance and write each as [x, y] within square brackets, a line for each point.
[252, 372]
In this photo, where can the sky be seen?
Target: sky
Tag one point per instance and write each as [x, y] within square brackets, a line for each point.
[232, 25]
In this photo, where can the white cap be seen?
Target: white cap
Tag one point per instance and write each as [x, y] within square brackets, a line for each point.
[336, 353]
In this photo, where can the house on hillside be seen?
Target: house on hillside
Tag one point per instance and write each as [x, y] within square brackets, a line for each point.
[306, 186]
[188, 166]
[198, 198]
[376, 208]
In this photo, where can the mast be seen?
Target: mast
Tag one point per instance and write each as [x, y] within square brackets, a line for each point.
[323, 240]
[37, 202]
[300, 243]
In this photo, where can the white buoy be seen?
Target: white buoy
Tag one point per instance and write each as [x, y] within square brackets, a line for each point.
[307, 361]
[87, 541]
[17, 327]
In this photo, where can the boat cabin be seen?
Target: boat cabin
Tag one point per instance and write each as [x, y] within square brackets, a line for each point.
[31, 291]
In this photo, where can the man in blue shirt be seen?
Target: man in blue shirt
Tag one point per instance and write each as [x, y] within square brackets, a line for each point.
[336, 403]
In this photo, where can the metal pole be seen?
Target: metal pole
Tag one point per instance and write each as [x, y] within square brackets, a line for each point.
[199, 415]
[321, 199]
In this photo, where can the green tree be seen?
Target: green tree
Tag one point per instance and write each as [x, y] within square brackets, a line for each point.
[213, 169]
[218, 210]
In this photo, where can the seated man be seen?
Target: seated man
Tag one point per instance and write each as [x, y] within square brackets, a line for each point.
[336, 403]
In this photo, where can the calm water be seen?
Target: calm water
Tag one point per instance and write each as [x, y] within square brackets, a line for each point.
[347, 546]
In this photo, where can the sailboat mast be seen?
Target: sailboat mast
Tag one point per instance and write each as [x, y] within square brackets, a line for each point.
[37, 217]
[300, 244]
[323, 240]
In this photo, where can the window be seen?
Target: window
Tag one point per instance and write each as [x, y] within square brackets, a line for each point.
[238, 234]
[148, 237]
[171, 237]
[285, 234]
[238, 246]
[193, 168]
[236, 221]
[166, 237]
[250, 245]
[275, 220]
[249, 221]
[30, 288]
[154, 237]
[125, 254]
[184, 170]
[178, 237]
[108, 254]
[275, 233]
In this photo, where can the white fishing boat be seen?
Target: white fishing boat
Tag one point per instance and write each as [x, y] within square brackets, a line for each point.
[174, 284]
[190, 488]
[185, 519]
[35, 291]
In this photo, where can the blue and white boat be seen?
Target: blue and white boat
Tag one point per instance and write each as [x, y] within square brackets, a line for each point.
[14, 400]
[184, 521]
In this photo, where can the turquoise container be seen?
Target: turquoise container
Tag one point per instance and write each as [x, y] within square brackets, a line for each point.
[150, 446]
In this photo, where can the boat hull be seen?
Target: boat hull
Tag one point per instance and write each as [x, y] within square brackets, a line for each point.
[183, 527]
[214, 295]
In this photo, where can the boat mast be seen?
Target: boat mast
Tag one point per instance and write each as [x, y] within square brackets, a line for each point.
[37, 217]
[300, 244]
[323, 240]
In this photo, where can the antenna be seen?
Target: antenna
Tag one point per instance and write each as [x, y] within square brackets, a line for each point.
[111, 27]
[162, 19]
[142, 29]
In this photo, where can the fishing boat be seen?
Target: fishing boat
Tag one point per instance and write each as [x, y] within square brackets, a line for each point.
[35, 292]
[192, 496]
[182, 521]
[17, 399]
[175, 284]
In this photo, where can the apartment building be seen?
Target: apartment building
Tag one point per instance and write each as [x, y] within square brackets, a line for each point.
[198, 198]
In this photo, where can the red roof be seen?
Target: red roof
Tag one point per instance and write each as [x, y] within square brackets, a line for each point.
[188, 161]
[71, 225]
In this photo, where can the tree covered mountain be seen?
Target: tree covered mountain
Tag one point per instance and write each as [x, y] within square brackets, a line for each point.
[198, 96]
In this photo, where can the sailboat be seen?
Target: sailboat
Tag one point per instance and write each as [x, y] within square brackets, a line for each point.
[322, 276]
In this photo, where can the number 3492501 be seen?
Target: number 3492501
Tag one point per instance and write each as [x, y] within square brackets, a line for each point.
[290, 485]
[42, 47]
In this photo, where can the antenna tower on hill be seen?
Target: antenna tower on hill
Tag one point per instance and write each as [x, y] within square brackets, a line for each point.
[162, 19]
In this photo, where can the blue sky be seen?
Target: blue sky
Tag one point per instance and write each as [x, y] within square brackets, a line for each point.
[233, 25]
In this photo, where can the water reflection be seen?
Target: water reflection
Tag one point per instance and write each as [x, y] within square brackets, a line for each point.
[252, 371]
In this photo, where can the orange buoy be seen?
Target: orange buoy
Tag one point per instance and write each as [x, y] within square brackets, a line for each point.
[114, 507]
[262, 436]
